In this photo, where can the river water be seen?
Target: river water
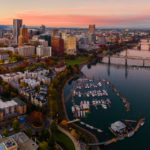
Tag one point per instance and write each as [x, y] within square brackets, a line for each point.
[134, 84]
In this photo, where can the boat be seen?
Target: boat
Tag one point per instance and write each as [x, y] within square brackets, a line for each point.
[99, 130]
[82, 123]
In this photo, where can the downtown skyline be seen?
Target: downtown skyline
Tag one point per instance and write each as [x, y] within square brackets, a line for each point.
[79, 13]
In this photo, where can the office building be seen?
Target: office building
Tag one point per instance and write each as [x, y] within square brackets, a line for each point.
[46, 37]
[1, 33]
[92, 28]
[26, 51]
[43, 51]
[57, 46]
[71, 45]
[54, 32]
[42, 29]
[17, 24]
[92, 38]
[23, 37]
[43, 43]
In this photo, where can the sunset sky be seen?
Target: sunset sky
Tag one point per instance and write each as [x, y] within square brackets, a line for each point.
[77, 13]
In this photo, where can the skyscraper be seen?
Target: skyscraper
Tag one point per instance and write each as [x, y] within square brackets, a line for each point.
[46, 37]
[17, 24]
[71, 45]
[42, 29]
[57, 46]
[92, 28]
[54, 32]
[23, 37]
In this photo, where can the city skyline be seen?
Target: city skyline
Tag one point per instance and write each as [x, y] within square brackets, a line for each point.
[79, 13]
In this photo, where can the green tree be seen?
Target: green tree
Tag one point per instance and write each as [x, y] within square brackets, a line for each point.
[29, 132]
[44, 135]
[5, 133]
[43, 146]
[51, 142]
[53, 127]
[16, 125]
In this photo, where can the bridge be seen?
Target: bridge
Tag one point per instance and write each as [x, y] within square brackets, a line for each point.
[125, 58]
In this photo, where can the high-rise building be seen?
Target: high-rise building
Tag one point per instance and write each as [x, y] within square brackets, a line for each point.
[17, 24]
[26, 51]
[92, 38]
[57, 46]
[43, 51]
[1, 34]
[92, 28]
[71, 45]
[42, 28]
[46, 38]
[23, 37]
[54, 32]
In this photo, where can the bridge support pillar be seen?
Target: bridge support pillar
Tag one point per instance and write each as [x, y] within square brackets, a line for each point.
[126, 62]
[109, 60]
[143, 62]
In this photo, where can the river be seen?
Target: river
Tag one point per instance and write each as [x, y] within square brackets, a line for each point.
[134, 84]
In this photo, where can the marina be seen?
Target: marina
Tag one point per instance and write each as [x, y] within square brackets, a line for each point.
[88, 93]
[129, 102]
[92, 93]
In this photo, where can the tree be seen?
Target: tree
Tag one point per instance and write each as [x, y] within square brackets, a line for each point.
[53, 127]
[2, 61]
[51, 142]
[5, 133]
[29, 132]
[43, 146]
[44, 135]
[16, 125]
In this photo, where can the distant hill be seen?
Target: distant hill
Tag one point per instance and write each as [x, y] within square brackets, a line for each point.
[5, 27]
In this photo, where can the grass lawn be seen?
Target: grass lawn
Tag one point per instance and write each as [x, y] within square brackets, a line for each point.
[64, 141]
[77, 61]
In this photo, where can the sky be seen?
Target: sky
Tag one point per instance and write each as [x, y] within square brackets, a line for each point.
[77, 13]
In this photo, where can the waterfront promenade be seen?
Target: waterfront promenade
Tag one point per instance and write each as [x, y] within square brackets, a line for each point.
[75, 142]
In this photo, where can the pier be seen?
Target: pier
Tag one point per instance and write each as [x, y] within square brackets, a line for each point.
[118, 138]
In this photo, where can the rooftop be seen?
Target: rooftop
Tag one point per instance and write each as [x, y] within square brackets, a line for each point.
[117, 126]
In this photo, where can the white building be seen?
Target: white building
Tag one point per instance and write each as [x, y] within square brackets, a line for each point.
[26, 51]
[145, 44]
[43, 43]
[42, 51]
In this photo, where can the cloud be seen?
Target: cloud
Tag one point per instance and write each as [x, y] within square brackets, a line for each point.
[61, 20]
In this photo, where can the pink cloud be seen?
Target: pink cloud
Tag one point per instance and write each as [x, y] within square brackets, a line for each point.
[39, 17]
